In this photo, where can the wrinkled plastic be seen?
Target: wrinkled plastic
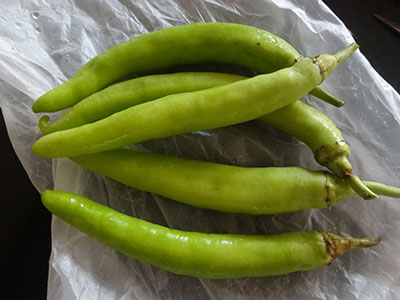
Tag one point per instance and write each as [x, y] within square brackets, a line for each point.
[43, 43]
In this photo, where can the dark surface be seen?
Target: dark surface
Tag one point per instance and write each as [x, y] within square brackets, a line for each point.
[25, 224]
[379, 43]
[24, 230]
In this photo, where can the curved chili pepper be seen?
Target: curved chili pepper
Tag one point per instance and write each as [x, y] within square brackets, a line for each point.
[202, 255]
[237, 102]
[222, 187]
[196, 43]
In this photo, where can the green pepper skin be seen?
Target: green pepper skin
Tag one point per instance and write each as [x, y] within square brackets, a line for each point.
[214, 256]
[306, 123]
[297, 119]
[230, 104]
[219, 187]
[325, 140]
[256, 191]
[195, 43]
[132, 92]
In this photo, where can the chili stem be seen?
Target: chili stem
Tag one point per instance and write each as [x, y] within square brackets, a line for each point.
[346, 52]
[383, 189]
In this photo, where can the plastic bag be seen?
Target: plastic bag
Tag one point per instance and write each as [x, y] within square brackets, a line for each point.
[44, 43]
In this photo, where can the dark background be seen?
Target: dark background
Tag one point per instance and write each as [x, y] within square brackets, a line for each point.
[25, 224]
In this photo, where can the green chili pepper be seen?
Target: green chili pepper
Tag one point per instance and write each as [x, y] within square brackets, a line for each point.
[202, 255]
[297, 119]
[222, 187]
[233, 103]
[196, 43]
[325, 140]
[128, 93]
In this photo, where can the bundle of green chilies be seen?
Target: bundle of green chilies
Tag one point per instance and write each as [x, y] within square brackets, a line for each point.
[108, 113]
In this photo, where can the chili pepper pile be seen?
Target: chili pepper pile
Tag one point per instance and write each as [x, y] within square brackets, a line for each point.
[106, 116]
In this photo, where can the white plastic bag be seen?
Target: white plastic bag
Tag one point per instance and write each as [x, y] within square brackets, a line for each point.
[43, 43]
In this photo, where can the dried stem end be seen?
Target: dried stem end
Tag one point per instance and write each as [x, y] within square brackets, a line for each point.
[337, 245]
